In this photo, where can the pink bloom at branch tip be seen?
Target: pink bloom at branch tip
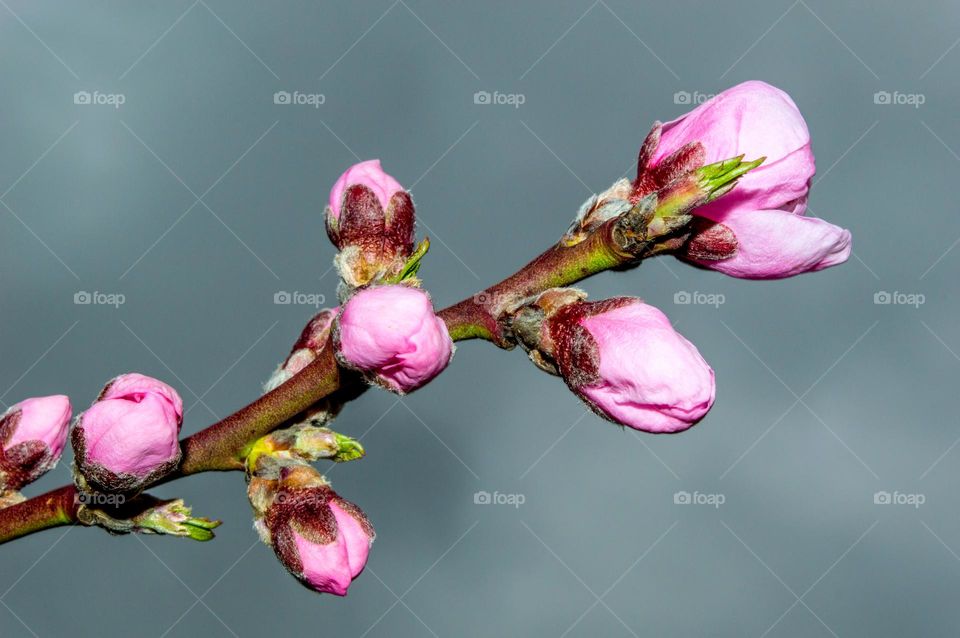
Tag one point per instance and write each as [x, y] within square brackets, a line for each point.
[766, 209]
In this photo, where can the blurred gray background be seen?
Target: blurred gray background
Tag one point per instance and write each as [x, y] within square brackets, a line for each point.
[199, 199]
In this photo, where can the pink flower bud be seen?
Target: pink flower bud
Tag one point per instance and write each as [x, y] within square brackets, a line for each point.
[320, 537]
[32, 435]
[368, 174]
[311, 342]
[625, 360]
[371, 220]
[758, 120]
[128, 438]
[391, 334]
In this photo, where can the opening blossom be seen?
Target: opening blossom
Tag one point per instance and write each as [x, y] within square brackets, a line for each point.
[32, 436]
[391, 334]
[766, 210]
[129, 437]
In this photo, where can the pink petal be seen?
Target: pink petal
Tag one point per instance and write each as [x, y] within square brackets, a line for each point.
[772, 244]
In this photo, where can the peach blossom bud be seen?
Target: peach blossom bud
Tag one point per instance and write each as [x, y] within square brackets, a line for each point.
[32, 435]
[391, 334]
[128, 438]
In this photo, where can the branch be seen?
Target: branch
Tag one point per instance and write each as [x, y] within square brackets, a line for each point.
[224, 445]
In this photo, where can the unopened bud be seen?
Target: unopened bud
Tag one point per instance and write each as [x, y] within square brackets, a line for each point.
[128, 438]
[32, 436]
[392, 336]
[371, 219]
[321, 538]
[626, 362]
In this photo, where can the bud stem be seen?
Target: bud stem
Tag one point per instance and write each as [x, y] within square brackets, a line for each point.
[224, 445]
[478, 317]
[56, 507]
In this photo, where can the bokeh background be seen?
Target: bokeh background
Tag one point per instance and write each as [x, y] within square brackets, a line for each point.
[186, 188]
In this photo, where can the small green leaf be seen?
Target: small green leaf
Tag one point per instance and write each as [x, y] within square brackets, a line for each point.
[348, 449]
[412, 266]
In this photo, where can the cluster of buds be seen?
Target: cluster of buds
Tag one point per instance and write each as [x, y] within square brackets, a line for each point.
[33, 434]
[386, 329]
[125, 441]
[385, 333]
[620, 356]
